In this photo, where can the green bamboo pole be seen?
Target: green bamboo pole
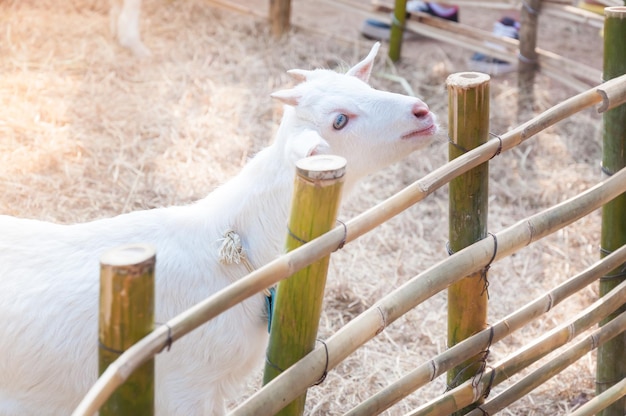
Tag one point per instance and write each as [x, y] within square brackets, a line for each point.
[528, 57]
[468, 101]
[126, 316]
[606, 96]
[397, 30]
[280, 17]
[611, 365]
[298, 304]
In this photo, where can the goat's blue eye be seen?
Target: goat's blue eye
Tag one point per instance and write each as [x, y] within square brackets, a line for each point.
[340, 121]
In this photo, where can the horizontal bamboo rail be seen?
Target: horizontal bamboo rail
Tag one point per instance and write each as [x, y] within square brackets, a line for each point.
[559, 336]
[421, 287]
[607, 96]
[432, 369]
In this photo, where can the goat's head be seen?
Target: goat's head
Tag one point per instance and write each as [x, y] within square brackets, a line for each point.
[341, 114]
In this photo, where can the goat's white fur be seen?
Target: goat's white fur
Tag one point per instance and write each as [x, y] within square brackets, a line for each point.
[49, 272]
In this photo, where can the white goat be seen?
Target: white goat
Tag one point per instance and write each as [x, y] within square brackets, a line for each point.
[124, 21]
[49, 272]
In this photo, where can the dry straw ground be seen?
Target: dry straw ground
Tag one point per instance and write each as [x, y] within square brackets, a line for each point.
[87, 131]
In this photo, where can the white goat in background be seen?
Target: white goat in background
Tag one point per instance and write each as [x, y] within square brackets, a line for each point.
[49, 273]
[124, 21]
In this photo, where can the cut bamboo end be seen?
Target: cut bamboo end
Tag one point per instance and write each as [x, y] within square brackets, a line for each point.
[616, 12]
[321, 167]
[467, 80]
[613, 93]
[135, 254]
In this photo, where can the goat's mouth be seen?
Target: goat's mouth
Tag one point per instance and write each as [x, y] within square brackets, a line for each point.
[427, 131]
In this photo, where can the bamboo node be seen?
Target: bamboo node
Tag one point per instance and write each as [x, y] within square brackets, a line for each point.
[550, 302]
[434, 371]
[384, 325]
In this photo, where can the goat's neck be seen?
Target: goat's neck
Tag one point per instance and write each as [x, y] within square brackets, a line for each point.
[257, 204]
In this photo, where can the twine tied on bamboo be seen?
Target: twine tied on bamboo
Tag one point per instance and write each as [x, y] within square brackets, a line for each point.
[339, 246]
[232, 252]
[484, 270]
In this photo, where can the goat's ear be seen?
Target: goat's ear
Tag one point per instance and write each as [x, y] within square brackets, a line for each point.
[299, 75]
[363, 69]
[289, 97]
[305, 144]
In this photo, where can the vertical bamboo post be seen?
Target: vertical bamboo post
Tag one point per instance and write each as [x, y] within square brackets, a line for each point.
[126, 316]
[298, 303]
[397, 30]
[468, 119]
[280, 16]
[527, 61]
[611, 366]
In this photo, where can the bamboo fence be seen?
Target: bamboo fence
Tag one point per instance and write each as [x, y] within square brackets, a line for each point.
[555, 365]
[421, 287]
[611, 363]
[432, 369]
[573, 74]
[570, 72]
[606, 96]
[472, 390]
[397, 30]
[298, 303]
[468, 128]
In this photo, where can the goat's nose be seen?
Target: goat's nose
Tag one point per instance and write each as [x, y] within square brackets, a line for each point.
[420, 109]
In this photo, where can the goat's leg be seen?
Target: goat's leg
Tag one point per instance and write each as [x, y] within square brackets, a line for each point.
[125, 22]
